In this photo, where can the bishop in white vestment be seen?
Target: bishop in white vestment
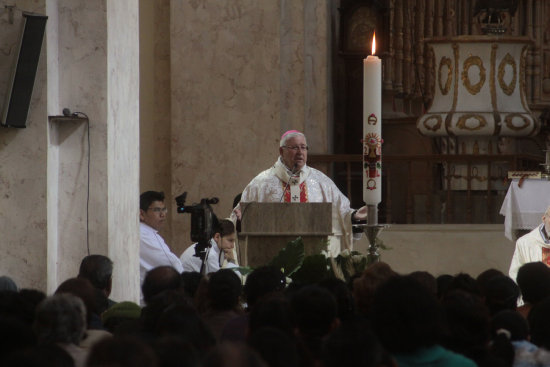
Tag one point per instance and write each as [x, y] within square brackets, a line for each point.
[291, 180]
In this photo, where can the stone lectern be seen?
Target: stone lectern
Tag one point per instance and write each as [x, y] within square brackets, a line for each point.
[267, 227]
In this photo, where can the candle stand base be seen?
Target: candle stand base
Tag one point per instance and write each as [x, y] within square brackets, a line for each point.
[372, 231]
[546, 171]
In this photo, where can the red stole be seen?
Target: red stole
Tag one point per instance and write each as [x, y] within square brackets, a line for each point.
[303, 193]
[546, 256]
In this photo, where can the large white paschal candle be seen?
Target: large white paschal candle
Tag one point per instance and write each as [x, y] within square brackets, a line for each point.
[372, 129]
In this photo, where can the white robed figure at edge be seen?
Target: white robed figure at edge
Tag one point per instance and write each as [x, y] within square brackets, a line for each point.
[307, 185]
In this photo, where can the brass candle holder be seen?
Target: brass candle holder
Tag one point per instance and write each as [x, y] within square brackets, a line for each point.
[372, 229]
[546, 166]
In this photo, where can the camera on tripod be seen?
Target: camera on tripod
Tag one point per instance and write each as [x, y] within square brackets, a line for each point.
[203, 222]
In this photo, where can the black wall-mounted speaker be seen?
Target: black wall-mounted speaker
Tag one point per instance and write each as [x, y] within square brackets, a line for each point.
[18, 97]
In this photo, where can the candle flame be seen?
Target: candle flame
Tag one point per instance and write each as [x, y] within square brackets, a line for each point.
[373, 48]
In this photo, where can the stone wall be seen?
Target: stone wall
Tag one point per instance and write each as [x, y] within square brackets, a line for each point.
[54, 212]
[444, 249]
[23, 161]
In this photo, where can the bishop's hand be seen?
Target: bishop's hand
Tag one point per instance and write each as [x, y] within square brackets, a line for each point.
[237, 212]
[360, 214]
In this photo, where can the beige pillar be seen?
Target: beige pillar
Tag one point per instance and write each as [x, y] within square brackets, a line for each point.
[94, 61]
[123, 146]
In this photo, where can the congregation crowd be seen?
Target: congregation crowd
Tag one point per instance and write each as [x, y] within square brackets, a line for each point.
[379, 318]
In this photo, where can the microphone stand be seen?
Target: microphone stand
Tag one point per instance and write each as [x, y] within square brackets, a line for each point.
[202, 253]
[371, 230]
[202, 271]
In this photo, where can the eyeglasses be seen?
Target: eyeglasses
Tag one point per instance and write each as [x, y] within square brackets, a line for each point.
[159, 210]
[297, 147]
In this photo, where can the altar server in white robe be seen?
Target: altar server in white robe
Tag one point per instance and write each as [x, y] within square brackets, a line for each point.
[219, 255]
[534, 246]
[153, 251]
[291, 180]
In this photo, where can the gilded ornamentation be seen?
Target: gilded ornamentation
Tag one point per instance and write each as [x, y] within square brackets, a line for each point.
[445, 61]
[510, 123]
[456, 55]
[360, 29]
[430, 74]
[433, 123]
[492, 86]
[455, 91]
[507, 88]
[461, 124]
[469, 62]
[474, 174]
[522, 78]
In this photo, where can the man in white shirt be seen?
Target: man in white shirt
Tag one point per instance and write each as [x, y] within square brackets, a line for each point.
[153, 251]
[534, 246]
[219, 252]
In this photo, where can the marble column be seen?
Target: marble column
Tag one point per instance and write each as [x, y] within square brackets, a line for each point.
[93, 53]
[123, 146]
[77, 79]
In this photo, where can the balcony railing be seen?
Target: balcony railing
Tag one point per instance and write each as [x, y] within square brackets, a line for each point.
[425, 189]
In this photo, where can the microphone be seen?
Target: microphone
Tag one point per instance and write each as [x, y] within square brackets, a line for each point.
[292, 173]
